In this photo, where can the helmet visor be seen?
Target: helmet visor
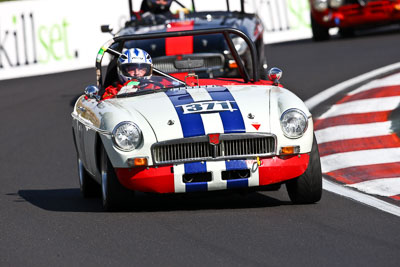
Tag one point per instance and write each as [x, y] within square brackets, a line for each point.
[136, 70]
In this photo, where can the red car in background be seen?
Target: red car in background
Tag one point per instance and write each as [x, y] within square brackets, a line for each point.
[349, 15]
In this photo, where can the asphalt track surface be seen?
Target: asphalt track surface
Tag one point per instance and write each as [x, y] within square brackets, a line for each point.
[45, 221]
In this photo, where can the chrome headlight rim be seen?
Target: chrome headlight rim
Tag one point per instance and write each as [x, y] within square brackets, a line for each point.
[299, 112]
[320, 5]
[240, 45]
[114, 133]
[336, 3]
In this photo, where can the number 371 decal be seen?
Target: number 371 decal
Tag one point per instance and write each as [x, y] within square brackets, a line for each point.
[208, 106]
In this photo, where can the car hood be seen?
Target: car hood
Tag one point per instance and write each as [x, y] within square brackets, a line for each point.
[199, 111]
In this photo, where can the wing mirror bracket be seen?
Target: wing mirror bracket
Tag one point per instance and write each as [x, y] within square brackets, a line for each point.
[92, 92]
[275, 74]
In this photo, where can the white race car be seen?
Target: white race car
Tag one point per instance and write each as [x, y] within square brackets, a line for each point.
[173, 136]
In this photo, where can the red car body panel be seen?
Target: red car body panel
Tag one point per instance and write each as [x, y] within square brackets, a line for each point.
[374, 13]
[161, 179]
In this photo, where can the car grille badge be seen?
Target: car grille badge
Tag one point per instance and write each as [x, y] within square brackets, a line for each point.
[213, 139]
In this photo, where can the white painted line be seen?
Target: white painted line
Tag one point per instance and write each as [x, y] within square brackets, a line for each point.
[391, 80]
[324, 95]
[339, 189]
[361, 197]
[363, 106]
[359, 158]
[345, 132]
[386, 187]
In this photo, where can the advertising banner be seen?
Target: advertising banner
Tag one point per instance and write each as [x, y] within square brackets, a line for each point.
[46, 36]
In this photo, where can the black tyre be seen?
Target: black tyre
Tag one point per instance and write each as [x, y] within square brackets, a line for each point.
[115, 196]
[307, 188]
[346, 32]
[88, 186]
[320, 33]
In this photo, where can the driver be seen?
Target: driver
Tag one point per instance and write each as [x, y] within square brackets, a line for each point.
[156, 6]
[133, 64]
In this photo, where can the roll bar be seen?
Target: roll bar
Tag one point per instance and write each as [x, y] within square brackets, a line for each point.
[226, 32]
[193, 6]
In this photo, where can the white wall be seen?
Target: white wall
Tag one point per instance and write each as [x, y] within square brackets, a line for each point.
[45, 36]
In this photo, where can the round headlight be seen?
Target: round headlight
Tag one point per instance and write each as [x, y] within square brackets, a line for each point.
[336, 3]
[127, 136]
[240, 45]
[320, 5]
[294, 123]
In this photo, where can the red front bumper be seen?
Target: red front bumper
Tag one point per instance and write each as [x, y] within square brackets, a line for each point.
[162, 179]
[354, 15]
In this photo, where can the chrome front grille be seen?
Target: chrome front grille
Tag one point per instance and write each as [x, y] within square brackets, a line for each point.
[249, 146]
[211, 61]
[199, 148]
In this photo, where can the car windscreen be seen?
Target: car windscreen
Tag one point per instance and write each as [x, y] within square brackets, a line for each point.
[147, 85]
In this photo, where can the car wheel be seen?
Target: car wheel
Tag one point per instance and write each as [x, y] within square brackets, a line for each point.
[320, 33]
[115, 196]
[307, 188]
[346, 32]
[88, 186]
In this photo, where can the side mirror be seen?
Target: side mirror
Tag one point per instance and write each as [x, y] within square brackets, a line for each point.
[275, 75]
[106, 28]
[92, 92]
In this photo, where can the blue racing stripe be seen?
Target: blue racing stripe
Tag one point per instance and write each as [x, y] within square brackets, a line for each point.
[232, 120]
[237, 183]
[192, 124]
[196, 187]
[195, 167]
[235, 165]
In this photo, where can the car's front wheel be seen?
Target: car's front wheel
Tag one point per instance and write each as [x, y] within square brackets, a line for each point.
[346, 32]
[114, 195]
[307, 188]
[87, 185]
[320, 32]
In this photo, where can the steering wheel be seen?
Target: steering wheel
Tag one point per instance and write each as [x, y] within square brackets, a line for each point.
[154, 84]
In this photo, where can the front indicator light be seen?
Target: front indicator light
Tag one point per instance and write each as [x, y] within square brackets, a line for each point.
[135, 162]
[232, 64]
[289, 150]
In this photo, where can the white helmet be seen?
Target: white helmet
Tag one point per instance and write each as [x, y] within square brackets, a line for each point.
[134, 63]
